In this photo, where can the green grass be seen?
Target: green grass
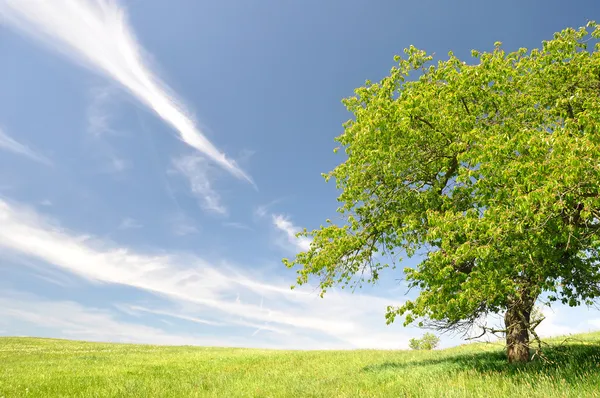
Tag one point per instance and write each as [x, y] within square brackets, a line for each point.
[31, 367]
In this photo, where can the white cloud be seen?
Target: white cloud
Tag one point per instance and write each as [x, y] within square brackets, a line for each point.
[195, 170]
[237, 225]
[181, 225]
[98, 114]
[560, 320]
[130, 223]
[182, 314]
[553, 325]
[137, 308]
[71, 320]
[39, 270]
[184, 229]
[96, 33]
[10, 144]
[355, 320]
[284, 224]
[29, 315]
[260, 211]
[116, 165]
[263, 210]
[99, 117]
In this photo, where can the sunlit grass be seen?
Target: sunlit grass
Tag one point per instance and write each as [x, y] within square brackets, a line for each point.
[58, 368]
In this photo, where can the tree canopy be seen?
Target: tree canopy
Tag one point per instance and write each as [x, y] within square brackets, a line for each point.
[490, 170]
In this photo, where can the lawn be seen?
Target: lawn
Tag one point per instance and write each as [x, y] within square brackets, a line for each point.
[33, 367]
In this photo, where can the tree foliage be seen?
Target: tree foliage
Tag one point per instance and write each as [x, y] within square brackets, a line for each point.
[489, 170]
[429, 341]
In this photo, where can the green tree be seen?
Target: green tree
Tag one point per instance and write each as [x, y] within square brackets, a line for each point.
[429, 341]
[489, 171]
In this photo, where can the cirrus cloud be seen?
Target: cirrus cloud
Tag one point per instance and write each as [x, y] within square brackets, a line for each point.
[10, 144]
[223, 293]
[96, 33]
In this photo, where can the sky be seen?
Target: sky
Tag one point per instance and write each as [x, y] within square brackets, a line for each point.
[157, 158]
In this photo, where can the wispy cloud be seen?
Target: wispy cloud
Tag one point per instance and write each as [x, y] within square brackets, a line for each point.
[181, 225]
[10, 144]
[195, 170]
[137, 308]
[263, 210]
[115, 164]
[96, 33]
[129, 223]
[30, 315]
[260, 211]
[290, 230]
[352, 320]
[71, 320]
[184, 229]
[98, 114]
[237, 225]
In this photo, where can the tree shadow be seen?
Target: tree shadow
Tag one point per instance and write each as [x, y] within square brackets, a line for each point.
[569, 362]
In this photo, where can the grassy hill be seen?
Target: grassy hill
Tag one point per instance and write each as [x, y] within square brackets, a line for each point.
[35, 367]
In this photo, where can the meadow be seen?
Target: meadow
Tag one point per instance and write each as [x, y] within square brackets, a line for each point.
[36, 367]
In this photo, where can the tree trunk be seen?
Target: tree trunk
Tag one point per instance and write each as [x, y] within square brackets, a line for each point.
[516, 321]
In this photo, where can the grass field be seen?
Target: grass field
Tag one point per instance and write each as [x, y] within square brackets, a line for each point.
[32, 367]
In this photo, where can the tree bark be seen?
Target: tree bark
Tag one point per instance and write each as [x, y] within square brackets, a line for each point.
[516, 321]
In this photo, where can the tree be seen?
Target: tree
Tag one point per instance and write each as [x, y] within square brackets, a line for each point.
[429, 341]
[489, 171]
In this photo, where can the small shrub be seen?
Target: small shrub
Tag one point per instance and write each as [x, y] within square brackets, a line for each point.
[429, 341]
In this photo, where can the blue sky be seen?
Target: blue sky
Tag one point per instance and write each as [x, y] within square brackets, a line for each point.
[157, 157]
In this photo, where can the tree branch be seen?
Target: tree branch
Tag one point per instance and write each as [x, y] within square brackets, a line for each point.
[449, 173]
[465, 105]
[419, 118]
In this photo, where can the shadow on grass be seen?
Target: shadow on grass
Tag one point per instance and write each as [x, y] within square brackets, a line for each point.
[568, 362]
